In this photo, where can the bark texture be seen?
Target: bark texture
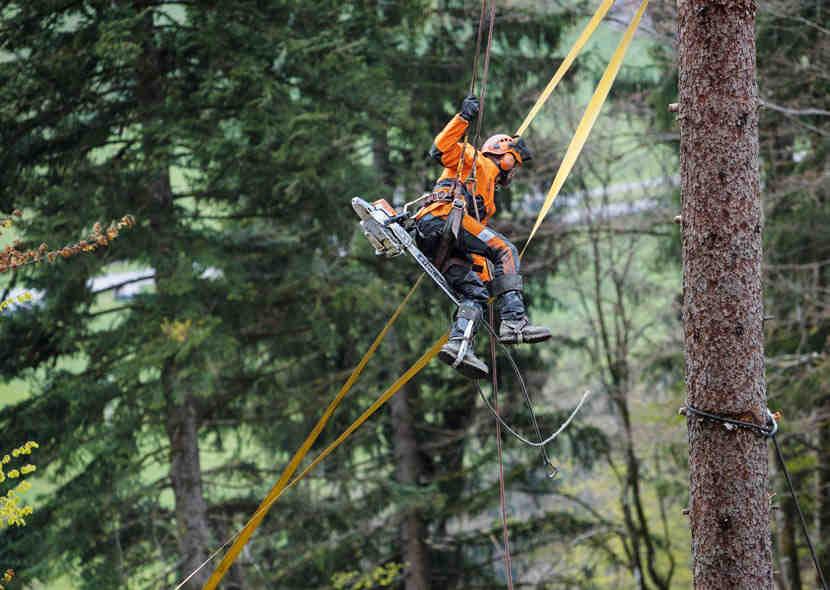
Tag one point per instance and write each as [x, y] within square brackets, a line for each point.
[723, 309]
[186, 479]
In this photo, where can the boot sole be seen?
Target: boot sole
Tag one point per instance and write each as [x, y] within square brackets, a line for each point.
[469, 371]
[535, 340]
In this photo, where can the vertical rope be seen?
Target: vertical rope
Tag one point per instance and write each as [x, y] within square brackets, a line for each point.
[486, 69]
[473, 80]
[800, 513]
[480, 119]
[508, 561]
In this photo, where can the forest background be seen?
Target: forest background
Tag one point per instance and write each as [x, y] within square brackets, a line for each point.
[168, 377]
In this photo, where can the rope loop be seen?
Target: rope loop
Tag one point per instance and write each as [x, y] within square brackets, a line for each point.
[769, 430]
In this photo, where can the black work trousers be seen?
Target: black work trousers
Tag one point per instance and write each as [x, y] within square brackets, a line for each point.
[473, 238]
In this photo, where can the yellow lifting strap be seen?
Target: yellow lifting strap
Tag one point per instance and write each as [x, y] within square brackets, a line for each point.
[277, 490]
[376, 405]
[588, 120]
[574, 149]
[566, 63]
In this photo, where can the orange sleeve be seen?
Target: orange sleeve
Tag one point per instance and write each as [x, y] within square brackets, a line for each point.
[446, 150]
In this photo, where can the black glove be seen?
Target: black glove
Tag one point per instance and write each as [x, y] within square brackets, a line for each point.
[521, 147]
[469, 108]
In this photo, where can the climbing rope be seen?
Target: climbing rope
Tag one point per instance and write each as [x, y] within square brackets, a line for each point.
[769, 430]
[494, 374]
[508, 560]
[482, 96]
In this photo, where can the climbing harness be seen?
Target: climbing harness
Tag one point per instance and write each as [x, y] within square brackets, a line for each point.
[769, 430]
[379, 230]
[383, 230]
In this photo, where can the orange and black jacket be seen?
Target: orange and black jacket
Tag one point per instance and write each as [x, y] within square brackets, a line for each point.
[447, 150]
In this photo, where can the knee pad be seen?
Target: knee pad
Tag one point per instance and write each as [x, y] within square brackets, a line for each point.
[469, 310]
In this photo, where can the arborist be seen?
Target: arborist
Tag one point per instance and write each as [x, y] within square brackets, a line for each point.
[451, 229]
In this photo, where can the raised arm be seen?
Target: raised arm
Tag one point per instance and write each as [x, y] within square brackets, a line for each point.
[446, 150]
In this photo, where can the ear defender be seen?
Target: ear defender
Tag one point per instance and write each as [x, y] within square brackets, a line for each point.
[507, 162]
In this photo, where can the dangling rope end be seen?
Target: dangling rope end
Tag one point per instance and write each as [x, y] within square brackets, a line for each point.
[554, 470]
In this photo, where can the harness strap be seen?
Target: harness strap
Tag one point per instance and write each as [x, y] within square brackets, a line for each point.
[449, 235]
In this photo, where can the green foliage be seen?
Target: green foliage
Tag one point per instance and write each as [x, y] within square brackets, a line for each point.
[235, 134]
[382, 576]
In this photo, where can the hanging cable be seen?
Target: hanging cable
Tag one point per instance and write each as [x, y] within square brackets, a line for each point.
[801, 518]
[543, 442]
[494, 374]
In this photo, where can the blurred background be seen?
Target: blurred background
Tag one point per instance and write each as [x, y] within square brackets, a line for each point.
[169, 376]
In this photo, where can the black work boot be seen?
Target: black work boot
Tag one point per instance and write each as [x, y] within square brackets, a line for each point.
[458, 351]
[515, 326]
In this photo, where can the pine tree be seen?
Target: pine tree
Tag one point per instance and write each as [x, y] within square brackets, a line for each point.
[722, 298]
[235, 133]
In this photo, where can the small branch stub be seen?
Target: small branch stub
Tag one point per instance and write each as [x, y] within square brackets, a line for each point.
[674, 107]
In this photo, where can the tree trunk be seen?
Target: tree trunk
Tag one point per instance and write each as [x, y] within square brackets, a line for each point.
[408, 469]
[182, 422]
[186, 479]
[723, 309]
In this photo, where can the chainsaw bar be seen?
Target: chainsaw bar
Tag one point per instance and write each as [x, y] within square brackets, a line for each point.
[381, 226]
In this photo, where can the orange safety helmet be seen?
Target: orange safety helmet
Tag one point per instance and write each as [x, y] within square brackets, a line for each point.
[510, 150]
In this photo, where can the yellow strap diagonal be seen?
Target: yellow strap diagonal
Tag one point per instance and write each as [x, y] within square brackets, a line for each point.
[566, 63]
[588, 120]
[376, 405]
[277, 490]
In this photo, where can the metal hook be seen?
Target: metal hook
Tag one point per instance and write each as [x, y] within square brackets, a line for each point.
[771, 418]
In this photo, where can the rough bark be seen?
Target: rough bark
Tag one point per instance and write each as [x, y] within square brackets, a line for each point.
[408, 469]
[186, 479]
[723, 310]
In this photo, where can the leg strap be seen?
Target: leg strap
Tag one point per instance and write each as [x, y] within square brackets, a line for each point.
[469, 312]
[504, 283]
[449, 236]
